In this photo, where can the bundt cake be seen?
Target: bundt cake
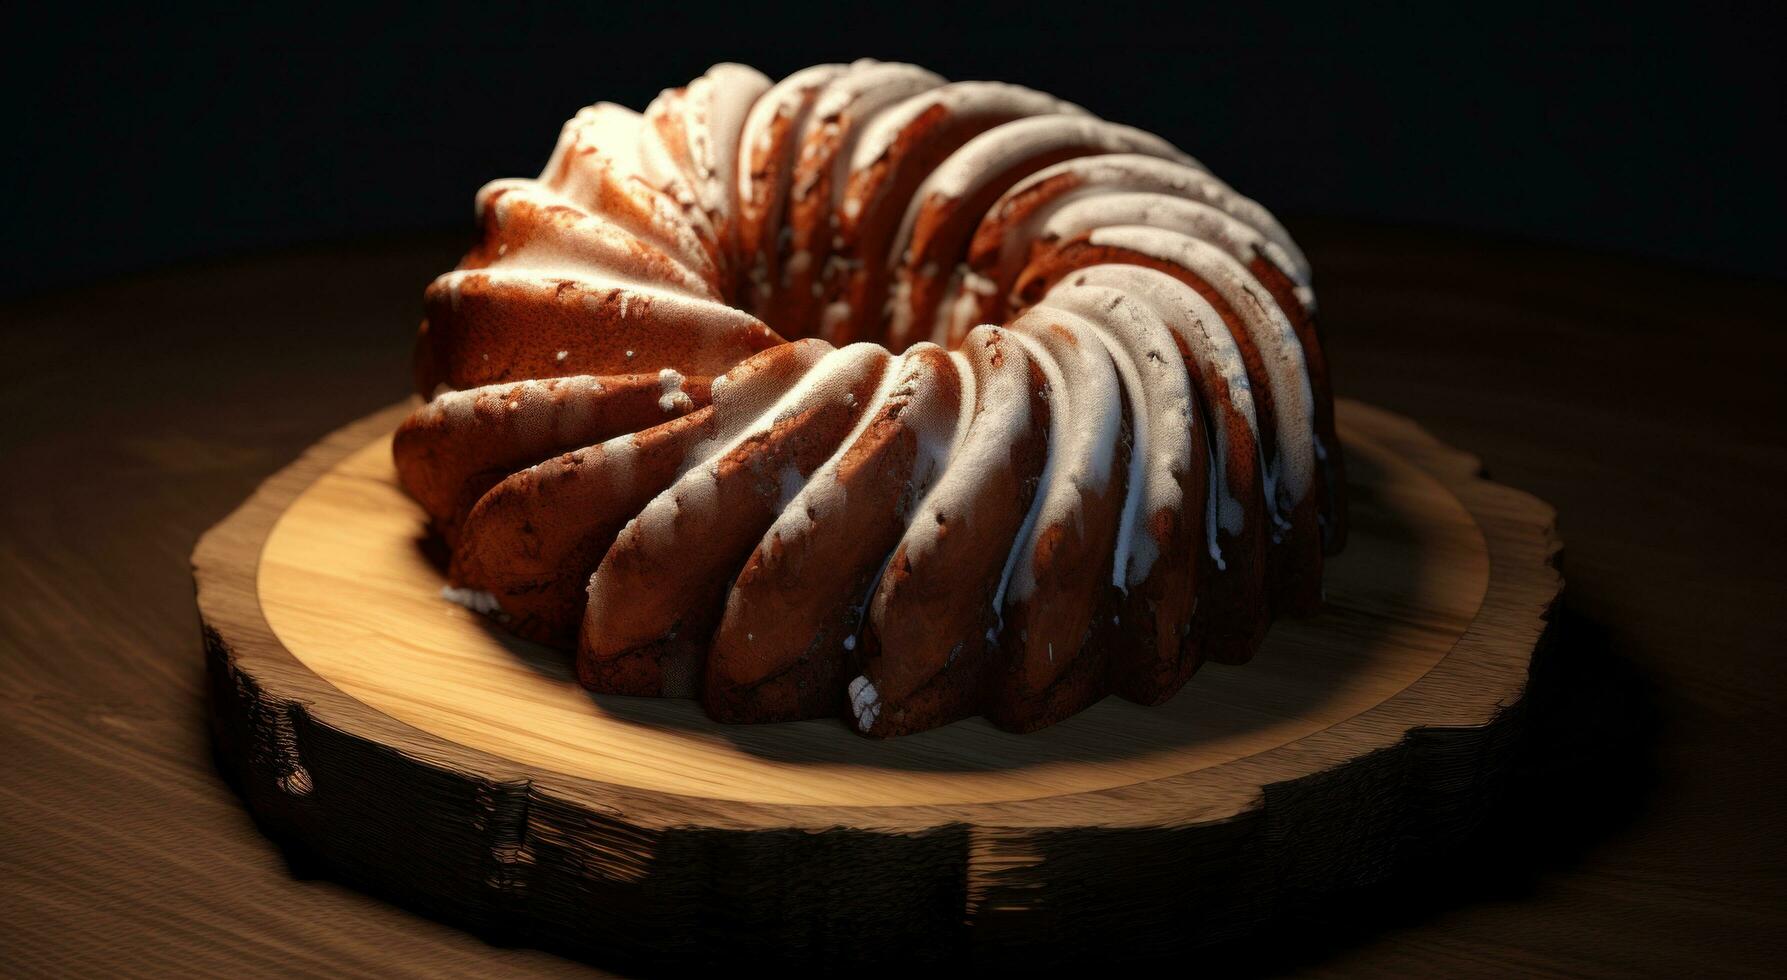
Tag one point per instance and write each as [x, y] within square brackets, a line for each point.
[872, 395]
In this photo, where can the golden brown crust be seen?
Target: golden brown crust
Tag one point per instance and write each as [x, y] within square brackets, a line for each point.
[485, 331]
[876, 201]
[1294, 553]
[448, 457]
[941, 231]
[660, 590]
[1046, 669]
[784, 647]
[673, 556]
[1148, 628]
[1315, 356]
[926, 649]
[533, 539]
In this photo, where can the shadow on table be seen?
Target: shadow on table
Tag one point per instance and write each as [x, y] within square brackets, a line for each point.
[1584, 769]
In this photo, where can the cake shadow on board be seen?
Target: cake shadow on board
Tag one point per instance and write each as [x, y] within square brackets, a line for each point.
[1303, 669]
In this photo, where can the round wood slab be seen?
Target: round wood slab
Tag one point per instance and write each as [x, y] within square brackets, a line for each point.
[422, 752]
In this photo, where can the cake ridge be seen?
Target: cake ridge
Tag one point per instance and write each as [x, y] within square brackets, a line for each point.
[776, 375]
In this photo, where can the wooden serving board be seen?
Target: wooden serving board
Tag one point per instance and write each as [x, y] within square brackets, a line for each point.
[420, 751]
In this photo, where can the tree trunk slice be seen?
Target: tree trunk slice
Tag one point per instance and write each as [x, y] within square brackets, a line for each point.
[420, 751]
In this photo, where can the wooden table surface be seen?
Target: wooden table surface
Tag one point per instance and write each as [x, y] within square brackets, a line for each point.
[1644, 833]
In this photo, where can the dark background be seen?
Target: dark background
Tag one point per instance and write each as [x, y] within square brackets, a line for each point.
[1566, 216]
[152, 138]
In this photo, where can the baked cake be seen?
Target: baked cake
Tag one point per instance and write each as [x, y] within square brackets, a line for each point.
[872, 395]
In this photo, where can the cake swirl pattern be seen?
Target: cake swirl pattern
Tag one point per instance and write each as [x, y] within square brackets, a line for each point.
[1042, 417]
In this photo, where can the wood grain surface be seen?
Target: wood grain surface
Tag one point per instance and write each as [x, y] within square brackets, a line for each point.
[416, 752]
[345, 589]
[1640, 834]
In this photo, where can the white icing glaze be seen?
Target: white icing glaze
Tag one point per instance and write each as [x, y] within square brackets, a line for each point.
[988, 155]
[525, 406]
[958, 99]
[849, 101]
[1129, 172]
[567, 240]
[663, 217]
[1087, 212]
[822, 495]
[1291, 473]
[766, 169]
[908, 381]
[865, 703]
[598, 159]
[1208, 342]
[1086, 419]
[716, 105]
[605, 128]
[1160, 403]
[477, 600]
[673, 398]
[692, 501]
[599, 289]
[982, 163]
[997, 395]
[660, 167]
[786, 101]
